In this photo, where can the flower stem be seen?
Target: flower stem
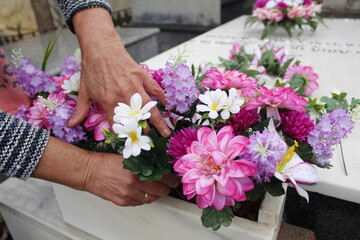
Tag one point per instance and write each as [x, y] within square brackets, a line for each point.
[343, 159]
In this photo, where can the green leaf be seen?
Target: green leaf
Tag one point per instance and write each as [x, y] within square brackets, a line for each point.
[284, 67]
[275, 187]
[297, 83]
[256, 193]
[142, 124]
[251, 72]
[49, 48]
[270, 27]
[212, 218]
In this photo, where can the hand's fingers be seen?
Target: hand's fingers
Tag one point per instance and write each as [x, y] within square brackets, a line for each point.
[82, 108]
[156, 189]
[123, 201]
[170, 180]
[153, 88]
[156, 118]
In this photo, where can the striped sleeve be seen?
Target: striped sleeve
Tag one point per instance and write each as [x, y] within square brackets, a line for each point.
[21, 146]
[70, 7]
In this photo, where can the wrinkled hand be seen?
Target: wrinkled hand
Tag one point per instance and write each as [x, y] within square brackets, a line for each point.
[108, 73]
[107, 179]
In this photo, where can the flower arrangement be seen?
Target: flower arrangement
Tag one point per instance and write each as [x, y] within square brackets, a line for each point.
[286, 14]
[240, 128]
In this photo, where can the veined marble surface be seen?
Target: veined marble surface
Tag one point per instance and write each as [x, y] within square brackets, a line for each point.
[333, 52]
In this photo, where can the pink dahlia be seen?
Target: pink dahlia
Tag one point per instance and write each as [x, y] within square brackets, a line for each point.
[96, 121]
[211, 170]
[260, 13]
[278, 97]
[307, 74]
[228, 79]
[180, 143]
[243, 120]
[296, 12]
[296, 124]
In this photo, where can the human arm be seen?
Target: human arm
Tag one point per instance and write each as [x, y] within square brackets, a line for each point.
[28, 150]
[108, 73]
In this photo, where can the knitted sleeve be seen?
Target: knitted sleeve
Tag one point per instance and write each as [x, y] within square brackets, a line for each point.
[21, 146]
[70, 7]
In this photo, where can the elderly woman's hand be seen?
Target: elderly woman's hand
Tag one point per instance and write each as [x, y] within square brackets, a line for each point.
[109, 180]
[108, 73]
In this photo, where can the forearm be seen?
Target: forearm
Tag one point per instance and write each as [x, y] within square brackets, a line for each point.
[65, 164]
[70, 7]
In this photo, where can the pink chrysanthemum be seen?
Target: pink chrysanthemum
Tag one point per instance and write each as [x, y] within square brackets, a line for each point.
[181, 141]
[211, 170]
[296, 124]
[228, 79]
[243, 120]
[308, 75]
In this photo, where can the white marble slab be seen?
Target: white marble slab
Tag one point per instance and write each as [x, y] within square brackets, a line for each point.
[334, 52]
[31, 212]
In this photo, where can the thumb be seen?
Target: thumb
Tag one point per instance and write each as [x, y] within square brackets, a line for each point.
[82, 108]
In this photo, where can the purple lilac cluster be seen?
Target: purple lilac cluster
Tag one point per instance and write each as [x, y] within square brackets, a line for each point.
[58, 120]
[32, 79]
[265, 150]
[330, 129]
[70, 66]
[179, 86]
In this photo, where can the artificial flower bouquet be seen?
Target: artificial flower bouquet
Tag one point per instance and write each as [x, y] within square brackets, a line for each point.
[286, 14]
[240, 128]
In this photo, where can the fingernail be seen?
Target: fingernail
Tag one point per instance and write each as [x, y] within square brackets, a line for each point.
[166, 132]
[70, 122]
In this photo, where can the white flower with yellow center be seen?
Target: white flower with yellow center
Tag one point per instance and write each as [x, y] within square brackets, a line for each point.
[214, 101]
[135, 141]
[233, 104]
[134, 112]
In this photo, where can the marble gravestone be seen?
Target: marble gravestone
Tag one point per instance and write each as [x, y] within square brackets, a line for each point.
[333, 52]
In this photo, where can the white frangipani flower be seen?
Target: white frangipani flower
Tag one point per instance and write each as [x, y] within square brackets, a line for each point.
[133, 112]
[135, 141]
[215, 102]
[73, 84]
[233, 104]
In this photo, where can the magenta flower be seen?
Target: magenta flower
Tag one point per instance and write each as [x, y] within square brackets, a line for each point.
[180, 143]
[308, 75]
[296, 125]
[278, 97]
[243, 120]
[260, 3]
[228, 79]
[96, 121]
[308, 2]
[211, 170]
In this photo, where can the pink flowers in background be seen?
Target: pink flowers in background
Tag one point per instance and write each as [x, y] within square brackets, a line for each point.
[275, 15]
[212, 171]
[287, 14]
[307, 74]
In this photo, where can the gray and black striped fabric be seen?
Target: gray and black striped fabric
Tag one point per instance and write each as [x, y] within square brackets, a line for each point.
[21, 146]
[70, 7]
